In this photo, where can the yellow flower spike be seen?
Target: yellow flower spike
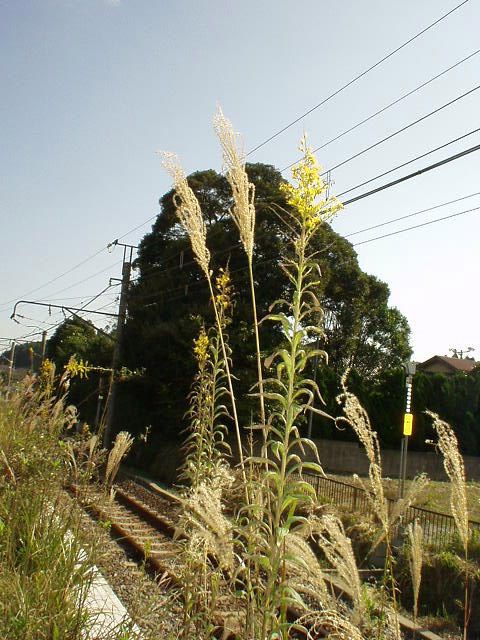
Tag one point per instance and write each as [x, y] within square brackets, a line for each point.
[200, 347]
[309, 195]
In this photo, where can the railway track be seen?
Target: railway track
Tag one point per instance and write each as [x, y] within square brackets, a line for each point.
[148, 531]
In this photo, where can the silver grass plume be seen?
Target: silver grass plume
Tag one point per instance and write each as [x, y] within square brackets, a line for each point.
[455, 470]
[337, 547]
[188, 211]
[304, 570]
[415, 560]
[243, 209]
[120, 448]
[331, 624]
[357, 418]
[204, 520]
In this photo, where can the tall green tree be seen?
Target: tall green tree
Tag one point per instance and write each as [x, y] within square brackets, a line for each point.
[76, 337]
[170, 293]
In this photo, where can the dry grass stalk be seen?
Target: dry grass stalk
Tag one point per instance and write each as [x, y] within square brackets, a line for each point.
[358, 419]
[243, 210]
[204, 519]
[338, 551]
[331, 624]
[415, 561]
[455, 470]
[189, 211]
[120, 448]
[243, 214]
[191, 218]
[305, 573]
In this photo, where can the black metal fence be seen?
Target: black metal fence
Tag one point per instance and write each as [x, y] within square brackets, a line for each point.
[439, 529]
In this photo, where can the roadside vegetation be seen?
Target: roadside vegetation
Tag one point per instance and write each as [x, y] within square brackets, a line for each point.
[261, 556]
[45, 563]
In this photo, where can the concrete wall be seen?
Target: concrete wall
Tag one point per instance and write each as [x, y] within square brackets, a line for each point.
[349, 457]
[337, 457]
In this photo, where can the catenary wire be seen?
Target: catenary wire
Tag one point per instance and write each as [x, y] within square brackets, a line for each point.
[404, 164]
[394, 133]
[414, 174]
[388, 106]
[276, 134]
[356, 78]
[392, 221]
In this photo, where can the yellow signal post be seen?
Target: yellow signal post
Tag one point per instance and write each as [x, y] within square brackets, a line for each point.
[407, 424]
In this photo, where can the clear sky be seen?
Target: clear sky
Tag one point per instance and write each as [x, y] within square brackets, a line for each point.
[92, 88]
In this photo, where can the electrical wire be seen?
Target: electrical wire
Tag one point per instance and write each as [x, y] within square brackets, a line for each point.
[404, 164]
[415, 174]
[416, 226]
[156, 272]
[395, 133]
[356, 78]
[94, 255]
[411, 215]
[388, 106]
[381, 237]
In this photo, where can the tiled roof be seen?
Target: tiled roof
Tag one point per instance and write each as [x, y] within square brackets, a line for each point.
[457, 364]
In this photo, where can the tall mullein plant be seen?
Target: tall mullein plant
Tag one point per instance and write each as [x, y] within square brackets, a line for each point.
[289, 391]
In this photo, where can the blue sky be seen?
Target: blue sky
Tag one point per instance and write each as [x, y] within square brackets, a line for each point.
[92, 88]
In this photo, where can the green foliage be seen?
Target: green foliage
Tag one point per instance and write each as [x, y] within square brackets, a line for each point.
[75, 337]
[205, 446]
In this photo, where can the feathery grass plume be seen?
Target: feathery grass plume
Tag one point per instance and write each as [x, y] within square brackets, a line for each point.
[188, 211]
[243, 209]
[203, 517]
[455, 470]
[304, 571]
[415, 561]
[330, 624]
[337, 548]
[243, 214]
[358, 419]
[120, 448]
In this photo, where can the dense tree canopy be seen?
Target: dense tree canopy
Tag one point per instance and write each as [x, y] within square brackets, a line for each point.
[79, 338]
[170, 294]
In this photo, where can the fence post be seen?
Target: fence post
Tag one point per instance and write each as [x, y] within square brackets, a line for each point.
[355, 498]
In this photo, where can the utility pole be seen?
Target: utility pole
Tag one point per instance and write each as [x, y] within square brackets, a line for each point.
[11, 364]
[117, 350]
[44, 346]
[99, 403]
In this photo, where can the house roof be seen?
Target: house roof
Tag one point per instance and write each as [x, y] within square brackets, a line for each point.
[454, 364]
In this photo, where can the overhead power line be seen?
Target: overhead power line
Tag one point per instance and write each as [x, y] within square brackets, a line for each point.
[415, 174]
[395, 133]
[404, 164]
[324, 249]
[202, 281]
[416, 226]
[391, 104]
[76, 266]
[356, 78]
[411, 215]
[156, 272]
